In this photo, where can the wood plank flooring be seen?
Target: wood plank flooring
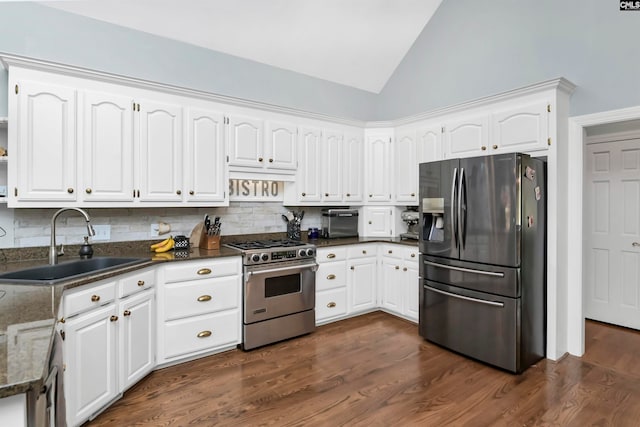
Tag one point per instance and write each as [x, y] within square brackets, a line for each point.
[375, 370]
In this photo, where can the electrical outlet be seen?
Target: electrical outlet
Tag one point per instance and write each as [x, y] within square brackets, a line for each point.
[154, 230]
[103, 232]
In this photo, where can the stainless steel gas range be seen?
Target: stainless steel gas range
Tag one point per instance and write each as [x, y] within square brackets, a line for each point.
[279, 290]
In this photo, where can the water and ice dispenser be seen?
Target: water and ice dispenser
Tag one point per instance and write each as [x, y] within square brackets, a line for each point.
[433, 219]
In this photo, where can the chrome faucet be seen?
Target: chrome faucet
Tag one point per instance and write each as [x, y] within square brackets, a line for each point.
[53, 251]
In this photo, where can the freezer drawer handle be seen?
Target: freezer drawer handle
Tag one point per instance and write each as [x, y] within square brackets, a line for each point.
[464, 270]
[449, 294]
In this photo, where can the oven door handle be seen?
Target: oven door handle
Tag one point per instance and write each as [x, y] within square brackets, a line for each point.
[313, 267]
[449, 294]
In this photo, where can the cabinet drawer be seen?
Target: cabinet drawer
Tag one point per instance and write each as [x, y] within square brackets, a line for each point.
[200, 297]
[204, 269]
[137, 282]
[331, 275]
[411, 254]
[331, 303]
[331, 254]
[200, 333]
[395, 251]
[361, 251]
[83, 299]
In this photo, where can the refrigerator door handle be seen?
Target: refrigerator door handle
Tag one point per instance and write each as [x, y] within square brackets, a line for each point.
[462, 208]
[454, 223]
[465, 270]
[449, 294]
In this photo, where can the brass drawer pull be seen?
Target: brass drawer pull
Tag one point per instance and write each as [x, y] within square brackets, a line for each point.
[95, 298]
[204, 271]
[204, 334]
[204, 298]
[331, 304]
[495, 147]
[397, 267]
[114, 318]
[364, 252]
[126, 313]
[331, 277]
[390, 251]
[331, 256]
[140, 282]
[413, 255]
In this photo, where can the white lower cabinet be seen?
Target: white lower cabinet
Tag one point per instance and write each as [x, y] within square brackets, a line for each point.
[108, 341]
[331, 284]
[362, 270]
[199, 308]
[399, 291]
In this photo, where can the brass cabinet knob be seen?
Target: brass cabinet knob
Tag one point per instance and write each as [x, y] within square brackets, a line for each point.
[270, 160]
[140, 282]
[204, 298]
[126, 313]
[390, 251]
[348, 194]
[413, 194]
[404, 269]
[304, 194]
[483, 148]
[370, 223]
[495, 147]
[62, 320]
[95, 298]
[204, 271]
[70, 190]
[114, 318]
[191, 192]
[326, 194]
[260, 159]
[397, 267]
[204, 334]
[88, 191]
[331, 304]
[353, 267]
[178, 192]
[331, 277]
[370, 195]
[331, 256]
[364, 252]
[413, 255]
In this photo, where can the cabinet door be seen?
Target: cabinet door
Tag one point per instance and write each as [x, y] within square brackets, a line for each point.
[137, 337]
[378, 182]
[362, 284]
[308, 178]
[378, 221]
[107, 146]
[204, 166]
[353, 172]
[91, 358]
[411, 290]
[467, 137]
[160, 148]
[45, 143]
[391, 290]
[332, 167]
[429, 144]
[245, 136]
[406, 167]
[522, 128]
[280, 146]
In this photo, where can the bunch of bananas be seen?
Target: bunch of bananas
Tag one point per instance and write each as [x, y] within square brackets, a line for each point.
[164, 246]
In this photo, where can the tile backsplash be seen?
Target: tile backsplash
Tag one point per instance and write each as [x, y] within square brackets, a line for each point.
[32, 227]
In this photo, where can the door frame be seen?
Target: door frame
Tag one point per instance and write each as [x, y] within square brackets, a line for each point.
[575, 174]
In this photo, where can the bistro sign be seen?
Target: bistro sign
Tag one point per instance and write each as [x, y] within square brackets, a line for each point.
[251, 190]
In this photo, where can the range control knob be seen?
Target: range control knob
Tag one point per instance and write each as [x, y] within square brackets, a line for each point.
[310, 252]
[265, 257]
[302, 253]
[255, 257]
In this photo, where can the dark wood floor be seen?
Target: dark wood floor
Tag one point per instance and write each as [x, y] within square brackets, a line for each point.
[375, 370]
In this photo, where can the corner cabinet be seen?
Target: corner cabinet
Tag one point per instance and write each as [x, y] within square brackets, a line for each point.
[378, 166]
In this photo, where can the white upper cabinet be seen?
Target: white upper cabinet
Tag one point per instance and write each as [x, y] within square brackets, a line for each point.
[280, 146]
[309, 172]
[406, 167]
[521, 128]
[107, 147]
[429, 143]
[160, 151]
[378, 165]
[245, 139]
[467, 136]
[44, 144]
[332, 167]
[204, 156]
[353, 167]
[378, 221]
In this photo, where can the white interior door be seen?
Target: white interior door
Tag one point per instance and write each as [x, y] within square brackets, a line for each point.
[612, 232]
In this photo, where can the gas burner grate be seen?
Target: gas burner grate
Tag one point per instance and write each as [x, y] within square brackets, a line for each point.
[265, 244]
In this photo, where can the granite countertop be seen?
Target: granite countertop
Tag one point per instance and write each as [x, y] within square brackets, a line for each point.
[28, 312]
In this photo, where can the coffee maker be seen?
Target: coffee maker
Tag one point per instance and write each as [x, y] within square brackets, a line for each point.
[411, 218]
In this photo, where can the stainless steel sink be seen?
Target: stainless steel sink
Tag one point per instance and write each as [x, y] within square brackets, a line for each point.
[52, 274]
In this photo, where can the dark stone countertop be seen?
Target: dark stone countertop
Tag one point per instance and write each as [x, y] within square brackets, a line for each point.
[28, 312]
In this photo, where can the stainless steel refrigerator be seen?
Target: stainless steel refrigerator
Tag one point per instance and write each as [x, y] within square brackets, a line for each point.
[482, 258]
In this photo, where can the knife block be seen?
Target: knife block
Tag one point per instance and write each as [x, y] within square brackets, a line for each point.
[209, 242]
